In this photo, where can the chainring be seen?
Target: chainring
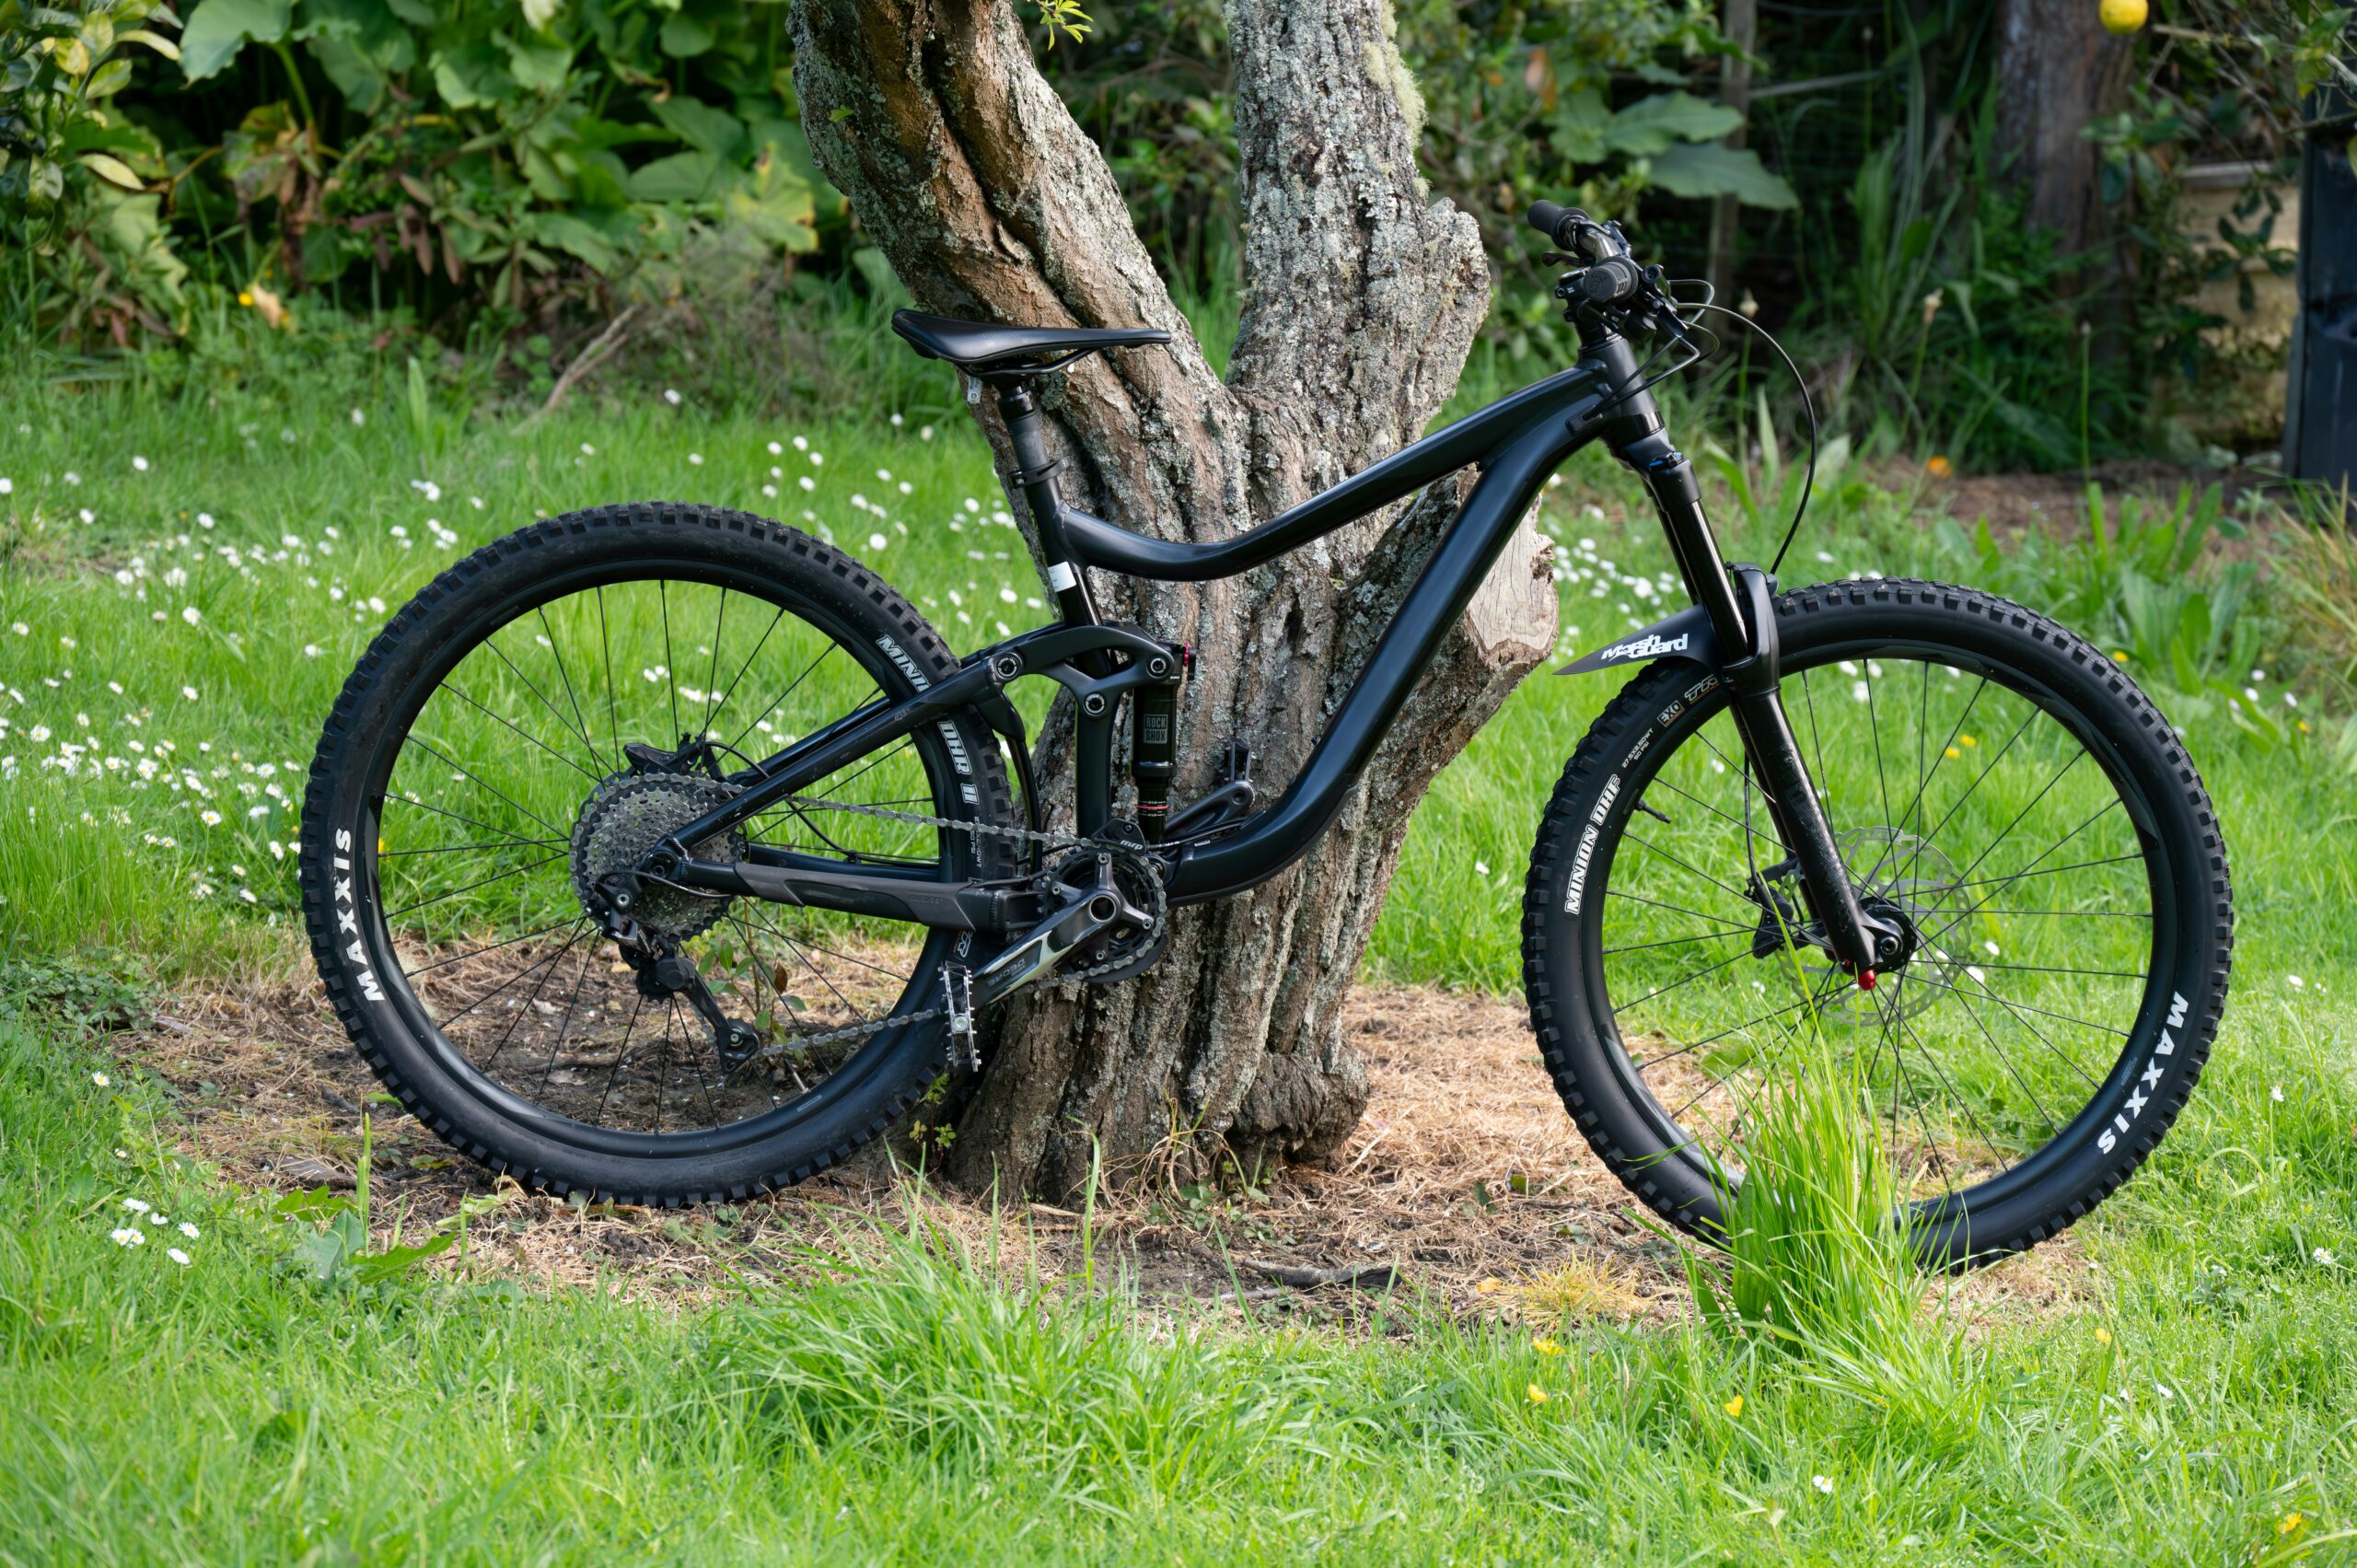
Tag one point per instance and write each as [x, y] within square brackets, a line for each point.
[627, 815]
[1130, 950]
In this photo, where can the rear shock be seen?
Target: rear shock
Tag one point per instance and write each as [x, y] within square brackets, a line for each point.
[1154, 739]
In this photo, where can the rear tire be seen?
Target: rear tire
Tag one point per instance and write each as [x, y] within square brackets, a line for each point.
[2104, 987]
[385, 958]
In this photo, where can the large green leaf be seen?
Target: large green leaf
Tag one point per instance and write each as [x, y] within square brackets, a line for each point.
[216, 30]
[775, 203]
[562, 231]
[1697, 169]
[539, 65]
[1581, 122]
[361, 45]
[682, 176]
[714, 131]
[1655, 124]
[472, 75]
[684, 37]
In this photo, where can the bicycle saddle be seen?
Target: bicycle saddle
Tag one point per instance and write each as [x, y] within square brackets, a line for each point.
[983, 345]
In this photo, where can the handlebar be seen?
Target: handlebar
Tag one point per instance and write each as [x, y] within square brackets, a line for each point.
[1609, 280]
[1548, 218]
[1574, 232]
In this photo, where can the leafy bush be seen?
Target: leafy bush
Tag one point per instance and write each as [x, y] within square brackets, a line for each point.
[74, 197]
[2150, 589]
[468, 156]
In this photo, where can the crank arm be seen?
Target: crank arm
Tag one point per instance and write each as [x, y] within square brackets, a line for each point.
[1038, 955]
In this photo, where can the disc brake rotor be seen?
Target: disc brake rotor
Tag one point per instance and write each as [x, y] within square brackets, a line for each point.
[1905, 875]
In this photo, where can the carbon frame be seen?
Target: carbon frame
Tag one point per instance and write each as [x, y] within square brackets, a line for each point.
[1517, 442]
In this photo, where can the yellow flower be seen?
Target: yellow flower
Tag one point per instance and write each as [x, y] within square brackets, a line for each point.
[1733, 1406]
[1952, 753]
[1537, 1395]
[2291, 1522]
[1545, 1347]
[2103, 1336]
[2304, 727]
[245, 298]
[1965, 740]
[2117, 656]
[1940, 467]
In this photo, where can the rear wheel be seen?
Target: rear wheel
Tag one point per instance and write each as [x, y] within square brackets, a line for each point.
[540, 718]
[2001, 792]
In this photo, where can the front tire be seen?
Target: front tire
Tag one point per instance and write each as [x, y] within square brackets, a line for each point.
[1993, 779]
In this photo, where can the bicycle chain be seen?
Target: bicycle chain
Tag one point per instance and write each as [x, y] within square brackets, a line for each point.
[1138, 860]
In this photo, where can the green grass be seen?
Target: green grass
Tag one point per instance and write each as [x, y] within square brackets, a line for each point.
[917, 1411]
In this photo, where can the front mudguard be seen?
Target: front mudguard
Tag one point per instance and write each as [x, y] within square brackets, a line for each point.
[1685, 636]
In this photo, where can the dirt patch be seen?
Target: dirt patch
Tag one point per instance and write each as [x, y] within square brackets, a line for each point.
[2054, 503]
[1465, 1187]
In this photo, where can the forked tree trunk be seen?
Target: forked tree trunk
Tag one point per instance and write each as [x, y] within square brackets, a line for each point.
[2058, 70]
[1363, 293]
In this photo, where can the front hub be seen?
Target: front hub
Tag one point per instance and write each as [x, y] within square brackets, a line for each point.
[1912, 897]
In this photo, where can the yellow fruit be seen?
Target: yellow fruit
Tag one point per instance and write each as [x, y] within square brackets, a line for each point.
[2124, 16]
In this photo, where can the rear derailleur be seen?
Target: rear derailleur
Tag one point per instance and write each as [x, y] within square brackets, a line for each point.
[663, 975]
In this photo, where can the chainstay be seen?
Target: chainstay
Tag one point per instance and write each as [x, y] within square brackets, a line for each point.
[1149, 868]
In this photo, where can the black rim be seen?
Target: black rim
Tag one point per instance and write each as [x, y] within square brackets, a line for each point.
[2001, 999]
[535, 958]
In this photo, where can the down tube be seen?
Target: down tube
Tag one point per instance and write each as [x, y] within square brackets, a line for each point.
[1274, 839]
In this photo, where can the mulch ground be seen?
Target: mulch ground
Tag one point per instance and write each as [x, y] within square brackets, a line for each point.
[1465, 1190]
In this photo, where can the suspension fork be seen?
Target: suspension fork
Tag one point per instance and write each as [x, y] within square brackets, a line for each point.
[1743, 619]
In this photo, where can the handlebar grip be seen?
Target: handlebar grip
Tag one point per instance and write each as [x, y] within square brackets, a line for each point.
[1553, 220]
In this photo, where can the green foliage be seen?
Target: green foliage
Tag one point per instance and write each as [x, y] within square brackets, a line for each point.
[1505, 85]
[332, 1239]
[2149, 586]
[1813, 1260]
[479, 156]
[75, 172]
[93, 991]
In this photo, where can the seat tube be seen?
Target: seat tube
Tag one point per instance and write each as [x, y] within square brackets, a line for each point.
[1036, 478]
[1749, 664]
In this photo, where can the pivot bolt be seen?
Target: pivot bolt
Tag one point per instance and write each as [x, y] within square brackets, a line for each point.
[1006, 667]
[1093, 704]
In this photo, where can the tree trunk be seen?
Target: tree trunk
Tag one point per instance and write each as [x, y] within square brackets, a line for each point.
[1363, 296]
[2058, 70]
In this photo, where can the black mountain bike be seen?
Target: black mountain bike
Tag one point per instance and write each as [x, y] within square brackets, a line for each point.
[666, 854]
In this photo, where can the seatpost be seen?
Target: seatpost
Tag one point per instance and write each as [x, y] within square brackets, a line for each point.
[1035, 477]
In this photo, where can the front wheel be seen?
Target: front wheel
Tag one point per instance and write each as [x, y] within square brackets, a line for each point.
[2000, 791]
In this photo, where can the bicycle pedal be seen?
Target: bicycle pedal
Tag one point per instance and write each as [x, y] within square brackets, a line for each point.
[958, 987]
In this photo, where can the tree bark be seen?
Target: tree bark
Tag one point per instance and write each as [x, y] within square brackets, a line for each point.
[1363, 296]
[2058, 71]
